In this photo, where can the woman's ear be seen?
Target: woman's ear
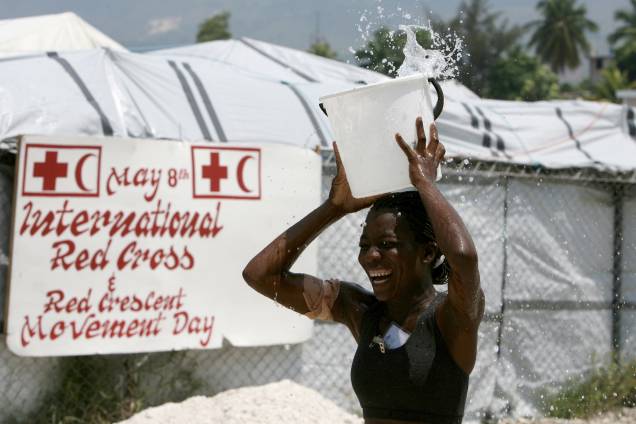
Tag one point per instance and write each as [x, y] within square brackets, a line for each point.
[428, 252]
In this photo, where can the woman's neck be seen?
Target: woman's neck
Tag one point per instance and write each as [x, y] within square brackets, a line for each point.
[400, 310]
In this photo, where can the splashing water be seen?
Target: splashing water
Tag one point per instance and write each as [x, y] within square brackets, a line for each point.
[439, 62]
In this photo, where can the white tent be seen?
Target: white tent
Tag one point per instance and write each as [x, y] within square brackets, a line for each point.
[59, 32]
[273, 60]
[246, 90]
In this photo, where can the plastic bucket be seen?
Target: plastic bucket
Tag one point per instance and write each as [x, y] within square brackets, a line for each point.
[364, 121]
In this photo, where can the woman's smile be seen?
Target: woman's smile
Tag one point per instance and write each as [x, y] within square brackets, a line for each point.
[380, 276]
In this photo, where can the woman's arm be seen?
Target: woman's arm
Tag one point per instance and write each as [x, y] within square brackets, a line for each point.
[269, 271]
[459, 316]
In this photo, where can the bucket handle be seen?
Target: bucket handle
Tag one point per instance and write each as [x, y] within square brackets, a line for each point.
[437, 110]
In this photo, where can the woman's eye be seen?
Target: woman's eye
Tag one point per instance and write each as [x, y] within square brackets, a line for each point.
[388, 244]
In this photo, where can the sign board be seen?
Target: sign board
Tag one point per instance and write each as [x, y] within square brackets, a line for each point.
[122, 245]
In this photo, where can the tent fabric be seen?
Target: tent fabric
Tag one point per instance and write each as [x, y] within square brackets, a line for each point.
[59, 32]
[293, 65]
[274, 61]
[246, 90]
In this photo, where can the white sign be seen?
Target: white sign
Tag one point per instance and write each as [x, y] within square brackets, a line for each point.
[124, 245]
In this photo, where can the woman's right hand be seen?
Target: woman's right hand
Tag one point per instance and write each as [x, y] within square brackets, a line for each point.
[340, 194]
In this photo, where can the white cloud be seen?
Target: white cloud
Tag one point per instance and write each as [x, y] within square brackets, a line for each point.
[162, 25]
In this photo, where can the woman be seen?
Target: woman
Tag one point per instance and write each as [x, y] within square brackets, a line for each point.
[416, 347]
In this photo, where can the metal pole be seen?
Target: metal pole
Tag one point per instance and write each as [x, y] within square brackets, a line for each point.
[617, 269]
[504, 275]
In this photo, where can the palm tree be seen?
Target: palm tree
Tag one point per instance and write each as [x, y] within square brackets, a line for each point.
[623, 41]
[559, 37]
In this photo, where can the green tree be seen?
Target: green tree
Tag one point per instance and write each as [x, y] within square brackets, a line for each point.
[623, 41]
[383, 53]
[215, 28]
[612, 80]
[518, 76]
[559, 37]
[487, 37]
[322, 48]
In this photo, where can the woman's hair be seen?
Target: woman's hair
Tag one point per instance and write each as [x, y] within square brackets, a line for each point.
[408, 205]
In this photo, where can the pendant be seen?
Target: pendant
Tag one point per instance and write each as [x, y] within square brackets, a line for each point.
[379, 341]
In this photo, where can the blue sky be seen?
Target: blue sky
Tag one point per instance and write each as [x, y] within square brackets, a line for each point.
[148, 24]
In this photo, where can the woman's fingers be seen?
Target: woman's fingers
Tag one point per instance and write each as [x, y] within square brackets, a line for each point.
[408, 151]
[439, 153]
[432, 145]
[420, 147]
[339, 166]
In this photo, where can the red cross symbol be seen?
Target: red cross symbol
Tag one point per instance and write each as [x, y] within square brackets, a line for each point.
[214, 172]
[50, 170]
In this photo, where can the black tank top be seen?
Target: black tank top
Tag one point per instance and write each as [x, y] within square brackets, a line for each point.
[418, 381]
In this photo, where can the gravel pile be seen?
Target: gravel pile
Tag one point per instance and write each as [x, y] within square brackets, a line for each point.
[284, 402]
[624, 416]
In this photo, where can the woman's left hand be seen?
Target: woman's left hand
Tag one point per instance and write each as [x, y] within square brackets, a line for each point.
[424, 159]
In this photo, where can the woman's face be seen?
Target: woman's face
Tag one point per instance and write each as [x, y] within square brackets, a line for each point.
[395, 264]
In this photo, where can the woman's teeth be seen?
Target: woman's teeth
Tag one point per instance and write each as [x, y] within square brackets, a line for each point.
[379, 276]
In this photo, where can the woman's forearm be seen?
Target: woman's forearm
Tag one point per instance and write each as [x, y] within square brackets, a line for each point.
[453, 239]
[279, 256]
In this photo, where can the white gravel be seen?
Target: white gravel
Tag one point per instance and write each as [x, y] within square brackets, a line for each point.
[284, 402]
[624, 416]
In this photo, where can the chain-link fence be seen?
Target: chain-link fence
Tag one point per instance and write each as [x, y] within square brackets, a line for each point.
[557, 254]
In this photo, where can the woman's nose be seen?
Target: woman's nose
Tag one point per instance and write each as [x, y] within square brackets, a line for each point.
[372, 254]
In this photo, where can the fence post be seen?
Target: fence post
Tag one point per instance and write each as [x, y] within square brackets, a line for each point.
[617, 269]
[504, 274]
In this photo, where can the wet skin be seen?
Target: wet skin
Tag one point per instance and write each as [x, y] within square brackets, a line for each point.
[398, 267]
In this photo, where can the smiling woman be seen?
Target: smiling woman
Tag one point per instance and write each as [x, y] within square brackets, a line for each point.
[416, 346]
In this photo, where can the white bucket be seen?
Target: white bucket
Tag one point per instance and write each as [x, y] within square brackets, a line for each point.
[364, 121]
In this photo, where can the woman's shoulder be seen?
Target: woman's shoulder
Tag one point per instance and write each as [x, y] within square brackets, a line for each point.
[356, 294]
[352, 302]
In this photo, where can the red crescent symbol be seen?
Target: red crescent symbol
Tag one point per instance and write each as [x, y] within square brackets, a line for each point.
[78, 171]
[239, 173]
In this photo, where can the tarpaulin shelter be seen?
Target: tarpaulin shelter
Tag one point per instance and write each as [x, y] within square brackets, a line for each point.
[246, 90]
[547, 242]
[63, 31]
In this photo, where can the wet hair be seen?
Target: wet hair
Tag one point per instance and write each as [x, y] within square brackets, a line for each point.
[407, 205]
